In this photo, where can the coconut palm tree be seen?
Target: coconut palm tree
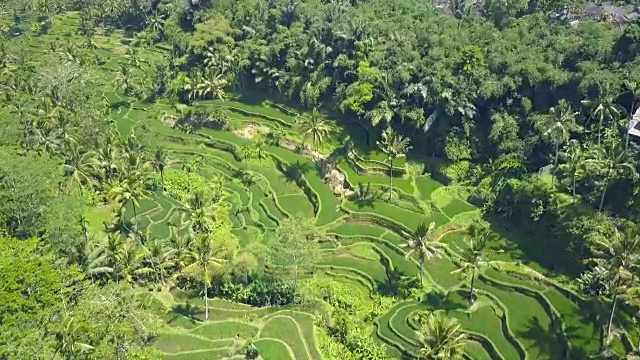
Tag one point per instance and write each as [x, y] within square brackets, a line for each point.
[123, 79]
[160, 162]
[206, 256]
[211, 85]
[78, 164]
[201, 212]
[314, 127]
[395, 146]
[129, 191]
[247, 153]
[613, 162]
[155, 23]
[180, 244]
[107, 158]
[68, 334]
[619, 256]
[574, 160]
[440, 338]
[260, 153]
[473, 258]
[604, 108]
[424, 243]
[557, 127]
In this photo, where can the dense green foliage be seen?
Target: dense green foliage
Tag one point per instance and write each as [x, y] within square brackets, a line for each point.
[156, 156]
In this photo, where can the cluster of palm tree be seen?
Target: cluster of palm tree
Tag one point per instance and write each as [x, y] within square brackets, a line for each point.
[603, 162]
[613, 275]
[138, 257]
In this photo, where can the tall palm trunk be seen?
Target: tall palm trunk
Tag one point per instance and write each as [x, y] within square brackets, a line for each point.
[422, 270]
[613, 311]
[604, 192]
[133, 205]
[390, 178]
[473, 279]
[555, 166]
[573, 182]
[85, 232]
[626, 137]
[206, 300]
[600, 130]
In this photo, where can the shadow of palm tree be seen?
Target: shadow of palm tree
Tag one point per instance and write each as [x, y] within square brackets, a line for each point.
[440, 300]
[547, 340]
[187, 310]
[294, 172]
[394, 278]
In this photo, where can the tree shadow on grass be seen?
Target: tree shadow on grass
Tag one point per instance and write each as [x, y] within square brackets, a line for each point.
[186, 310]
[294, 172]
[440, 300]
[546, 340]
[394, 278]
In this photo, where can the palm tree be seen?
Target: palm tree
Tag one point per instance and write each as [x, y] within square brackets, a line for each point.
[123, 79]
[603, 108]
[558, 127]
[160, 162]
[107, 157]
[68, 333]
[201, 212]
[620, 258]
[260, 153]
[473, 258]
[129, 191]
[613, 161]
[180, 245]
[314, 127]
[155, 23]
[424, 243]
[211, 84]
[574, 161]
[78, 163]
[206, 256]
[440, 338]
[394, 146]
[247, 153]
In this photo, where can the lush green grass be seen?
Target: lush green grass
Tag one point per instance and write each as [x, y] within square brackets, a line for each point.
[284, 328]
[211, 354]
[225, 330]
[176, 343]
[271, 349]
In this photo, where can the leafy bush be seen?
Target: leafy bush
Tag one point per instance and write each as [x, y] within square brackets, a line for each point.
[180, 184]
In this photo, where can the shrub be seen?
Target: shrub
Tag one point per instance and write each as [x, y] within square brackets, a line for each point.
[180, 184]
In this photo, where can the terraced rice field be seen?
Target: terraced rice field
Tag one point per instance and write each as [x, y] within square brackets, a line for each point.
[513, 318]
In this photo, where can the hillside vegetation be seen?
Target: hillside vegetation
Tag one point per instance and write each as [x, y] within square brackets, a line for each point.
[241, 179]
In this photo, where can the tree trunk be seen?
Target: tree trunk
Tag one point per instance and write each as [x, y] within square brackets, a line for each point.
[626, 141]
[573, 181]
[82, 219]
[162, 179]
[613, 311]
[555, 165]
[604, 192]
[390, 178]
[421, 270]
[133, 205]
[600, 131]
[206, 300]
[473, 278]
